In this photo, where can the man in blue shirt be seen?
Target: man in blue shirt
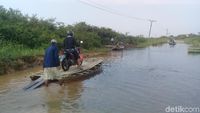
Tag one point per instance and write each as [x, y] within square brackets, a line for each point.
[51, 62]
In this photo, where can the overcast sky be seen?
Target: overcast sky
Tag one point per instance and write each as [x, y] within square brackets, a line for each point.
[178, 16]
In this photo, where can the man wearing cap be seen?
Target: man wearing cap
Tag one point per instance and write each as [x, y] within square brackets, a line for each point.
[51, 62]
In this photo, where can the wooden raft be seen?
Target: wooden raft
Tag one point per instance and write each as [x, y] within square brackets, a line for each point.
[89, 67]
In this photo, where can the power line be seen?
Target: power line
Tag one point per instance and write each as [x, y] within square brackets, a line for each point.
[109, 10]
[103, 8]
[98, 4]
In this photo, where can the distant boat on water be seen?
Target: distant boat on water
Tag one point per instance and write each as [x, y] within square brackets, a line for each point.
[172, 42]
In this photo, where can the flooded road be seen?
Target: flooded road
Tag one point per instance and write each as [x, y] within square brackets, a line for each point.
[145, 80]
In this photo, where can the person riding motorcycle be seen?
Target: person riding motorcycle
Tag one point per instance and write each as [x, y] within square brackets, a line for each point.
[70, 44]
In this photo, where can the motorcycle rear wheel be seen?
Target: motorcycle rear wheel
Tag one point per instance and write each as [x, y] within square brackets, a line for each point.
[65, 64]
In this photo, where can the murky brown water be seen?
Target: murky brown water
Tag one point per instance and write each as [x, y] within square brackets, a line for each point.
[134, 81]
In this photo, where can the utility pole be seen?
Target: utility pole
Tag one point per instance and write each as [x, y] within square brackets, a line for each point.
[167, 32]
[151, 21]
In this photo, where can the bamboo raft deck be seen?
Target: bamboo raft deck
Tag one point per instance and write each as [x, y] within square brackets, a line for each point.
[89, 68]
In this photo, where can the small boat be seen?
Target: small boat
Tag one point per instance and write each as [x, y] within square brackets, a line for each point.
[172, 42]
[89, 67]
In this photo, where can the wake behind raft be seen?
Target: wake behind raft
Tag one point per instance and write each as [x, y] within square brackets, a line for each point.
[89, 67]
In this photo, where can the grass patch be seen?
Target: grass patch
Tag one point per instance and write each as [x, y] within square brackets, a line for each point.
[15, 51]
[15, 56]
[152, 41]
[194, 42]
[95, 50]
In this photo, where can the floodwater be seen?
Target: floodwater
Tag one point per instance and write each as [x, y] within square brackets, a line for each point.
[146, 80]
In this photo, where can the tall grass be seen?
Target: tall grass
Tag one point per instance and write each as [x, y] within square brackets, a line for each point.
[10, 50]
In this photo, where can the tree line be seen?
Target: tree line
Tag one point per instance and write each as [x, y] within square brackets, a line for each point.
[34, 32]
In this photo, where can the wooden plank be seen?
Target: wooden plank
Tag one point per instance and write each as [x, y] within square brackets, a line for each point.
[32, 84]
[38, 84]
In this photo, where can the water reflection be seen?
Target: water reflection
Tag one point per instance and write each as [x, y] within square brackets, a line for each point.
[194, 54]
[73, 92]
[53, 98]
[171, 46]
[116, 55]
[63, 99]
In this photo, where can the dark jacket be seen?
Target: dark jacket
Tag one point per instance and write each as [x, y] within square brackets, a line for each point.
[51, 57]
[69, 42]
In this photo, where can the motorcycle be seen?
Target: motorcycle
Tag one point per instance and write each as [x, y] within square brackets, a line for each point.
[68, 58]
